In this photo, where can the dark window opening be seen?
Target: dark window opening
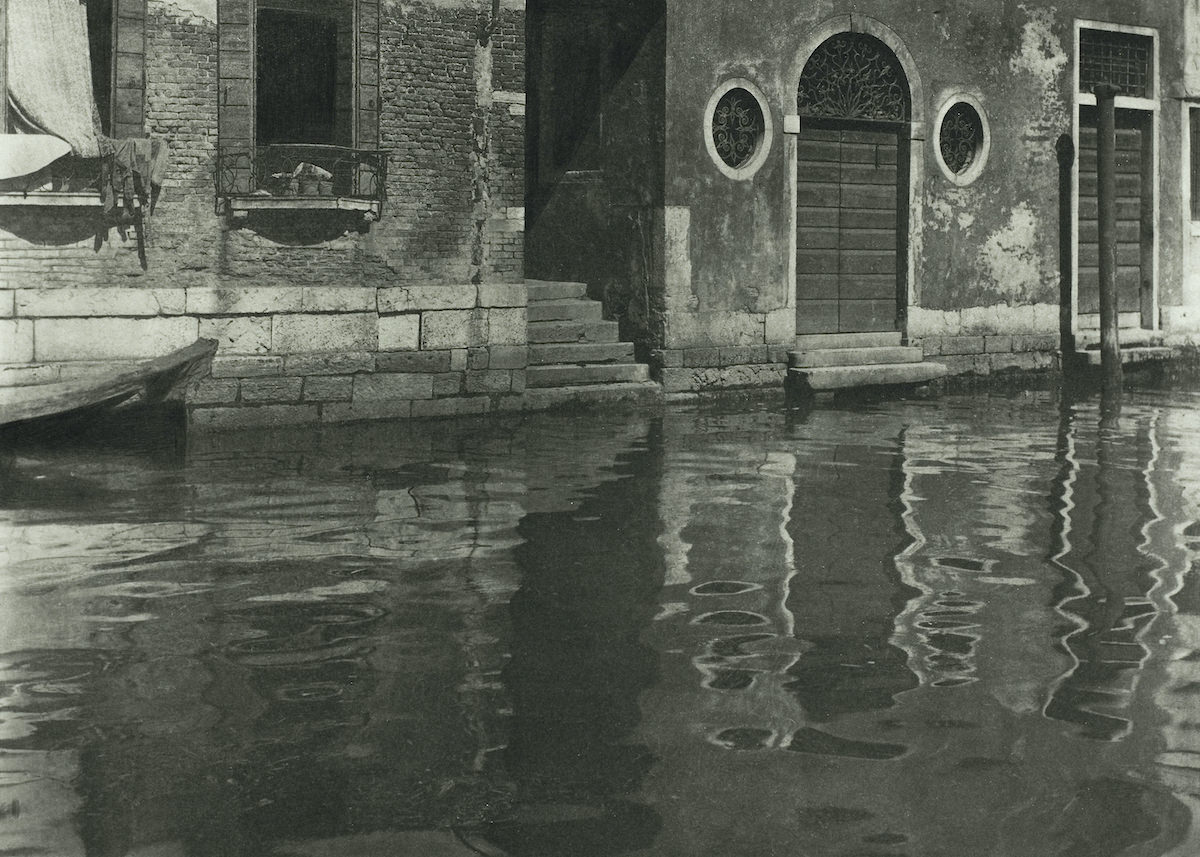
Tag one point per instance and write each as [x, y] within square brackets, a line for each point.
[100, 46]
[297, 79]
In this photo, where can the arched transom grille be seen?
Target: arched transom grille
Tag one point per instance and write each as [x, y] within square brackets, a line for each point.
[854, 76]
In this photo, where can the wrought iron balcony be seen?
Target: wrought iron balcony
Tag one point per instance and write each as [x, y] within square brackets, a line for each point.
[301, 176]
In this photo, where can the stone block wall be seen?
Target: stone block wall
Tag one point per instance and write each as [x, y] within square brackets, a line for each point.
[986, 354]
[696, 370]
[290, 354]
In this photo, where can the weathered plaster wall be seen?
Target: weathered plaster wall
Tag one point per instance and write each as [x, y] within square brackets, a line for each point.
[991, 247]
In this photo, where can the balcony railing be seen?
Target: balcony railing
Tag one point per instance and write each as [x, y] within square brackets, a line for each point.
[301, 175]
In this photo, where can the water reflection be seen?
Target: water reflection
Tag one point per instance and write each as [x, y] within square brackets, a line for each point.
[577, 666]
[1105, 510]
[940, 628]
[849, 592]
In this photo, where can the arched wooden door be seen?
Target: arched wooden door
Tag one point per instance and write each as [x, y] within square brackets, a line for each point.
[852, 188]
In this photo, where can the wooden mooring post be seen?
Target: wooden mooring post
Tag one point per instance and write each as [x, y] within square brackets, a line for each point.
[1106, 192]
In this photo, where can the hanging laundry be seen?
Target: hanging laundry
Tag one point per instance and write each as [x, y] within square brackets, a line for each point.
[49, 73]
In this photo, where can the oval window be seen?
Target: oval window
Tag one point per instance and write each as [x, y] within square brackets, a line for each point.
[739, 129]
[962, 141]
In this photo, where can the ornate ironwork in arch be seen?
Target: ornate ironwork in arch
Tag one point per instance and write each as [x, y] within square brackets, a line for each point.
[854, 76]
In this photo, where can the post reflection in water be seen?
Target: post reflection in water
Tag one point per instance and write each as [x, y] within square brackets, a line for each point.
[1104, 594]
[952, 628]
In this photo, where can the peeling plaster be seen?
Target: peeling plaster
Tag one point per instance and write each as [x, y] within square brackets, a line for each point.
[997, 319]
[1011, 258]
[1041, 54]
[1042, 58]
[1191, 51]
[204, 9]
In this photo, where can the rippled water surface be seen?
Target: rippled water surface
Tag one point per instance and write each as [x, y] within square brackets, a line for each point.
[910, 629]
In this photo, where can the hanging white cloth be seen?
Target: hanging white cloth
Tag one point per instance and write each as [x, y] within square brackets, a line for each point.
[50, 72]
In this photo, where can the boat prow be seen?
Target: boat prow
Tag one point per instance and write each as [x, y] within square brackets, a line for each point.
[151, 382]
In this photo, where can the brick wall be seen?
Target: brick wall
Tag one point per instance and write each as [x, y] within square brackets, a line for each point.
[428, 70]
[318, 316]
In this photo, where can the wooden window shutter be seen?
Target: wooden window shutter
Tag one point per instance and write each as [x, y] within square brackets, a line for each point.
[129, 69]
[235, 86]
[367, 132]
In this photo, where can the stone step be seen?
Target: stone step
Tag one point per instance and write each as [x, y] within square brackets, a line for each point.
[541, 332]
[574, 376]
[855, 356]
[1090, 337]
[1129, 356]
[590, 395]
[581, 352]
[566, 310]
[822, 341]
[549, 290]
[875, 375]
[1091, 321]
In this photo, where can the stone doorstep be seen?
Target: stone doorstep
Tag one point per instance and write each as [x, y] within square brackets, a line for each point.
[886, 374]
[854, 356]
[822, 341]
[1131, 336]
[1129, 356]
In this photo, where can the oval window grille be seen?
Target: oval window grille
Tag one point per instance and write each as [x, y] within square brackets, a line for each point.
[738, 127]
[960, 137]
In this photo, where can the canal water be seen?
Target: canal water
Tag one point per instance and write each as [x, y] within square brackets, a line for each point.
[960, 627]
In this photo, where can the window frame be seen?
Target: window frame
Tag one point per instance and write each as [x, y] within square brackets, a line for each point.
[1086, 99]
[975, 169]
[747, 170]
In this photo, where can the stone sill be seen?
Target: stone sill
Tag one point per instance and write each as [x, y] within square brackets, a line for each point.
[57, 199]
[241, 206]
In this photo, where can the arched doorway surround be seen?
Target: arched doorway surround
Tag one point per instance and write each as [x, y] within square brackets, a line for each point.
[854, 144]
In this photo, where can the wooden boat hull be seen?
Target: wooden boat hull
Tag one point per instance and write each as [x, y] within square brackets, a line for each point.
[154, 381]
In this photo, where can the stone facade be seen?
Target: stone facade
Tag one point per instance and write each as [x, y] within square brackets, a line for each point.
[289, 354]
[979, 251]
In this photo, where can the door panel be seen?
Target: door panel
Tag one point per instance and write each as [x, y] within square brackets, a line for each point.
[1134, 209]
[848, 224]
